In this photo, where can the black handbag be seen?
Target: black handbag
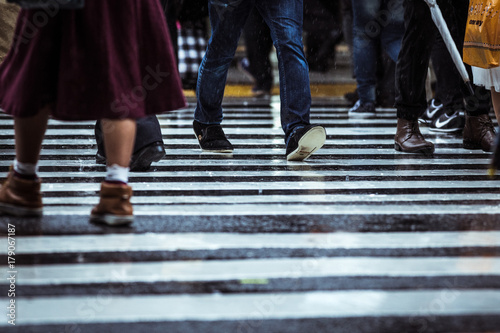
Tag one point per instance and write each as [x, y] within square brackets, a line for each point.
[49, 4]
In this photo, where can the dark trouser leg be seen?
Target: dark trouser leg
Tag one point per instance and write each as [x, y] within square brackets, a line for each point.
[411, 72]
[170, 9]
[385, 81]
[450, 89]
[148, 132]
[258, 44]
[449, 86]
[413, 60]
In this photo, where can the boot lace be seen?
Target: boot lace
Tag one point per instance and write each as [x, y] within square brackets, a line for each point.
[486, 126]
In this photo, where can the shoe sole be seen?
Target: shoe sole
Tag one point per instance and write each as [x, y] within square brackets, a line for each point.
[20, 211]
[424, 151]
[141, 162]
[112, 220]
[475, 146]
[219, 151]
[310, 142]
[439, 130]
[362, 115]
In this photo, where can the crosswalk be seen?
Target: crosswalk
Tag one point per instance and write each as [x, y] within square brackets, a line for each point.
[359, 238]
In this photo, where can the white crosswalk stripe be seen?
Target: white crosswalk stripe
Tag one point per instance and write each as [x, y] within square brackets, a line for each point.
[357, 238]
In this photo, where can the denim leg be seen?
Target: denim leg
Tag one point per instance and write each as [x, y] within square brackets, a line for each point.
[366, 34]
[392, 21]
[227, 18]
[413, 60]
[284, 18]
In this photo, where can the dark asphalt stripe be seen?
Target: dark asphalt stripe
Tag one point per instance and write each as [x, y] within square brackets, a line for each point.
[353, 156]
[366, 222]
[383, 323]
[259, 167]
[246, 253]
[239, 192]
[272, 285]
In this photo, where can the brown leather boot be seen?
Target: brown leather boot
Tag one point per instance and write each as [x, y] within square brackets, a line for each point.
[409, 139]
[479, 133]
[114, 207]
[21, 197]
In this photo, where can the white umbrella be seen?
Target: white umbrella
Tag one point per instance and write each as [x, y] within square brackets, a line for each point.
[438, 19]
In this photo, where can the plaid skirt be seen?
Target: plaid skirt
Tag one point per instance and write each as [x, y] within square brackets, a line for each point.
[113, 59]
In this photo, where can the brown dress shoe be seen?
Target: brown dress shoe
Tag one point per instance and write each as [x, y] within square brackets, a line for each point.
[21, 197]
[409, 139]
[479, 133]
[114, 207]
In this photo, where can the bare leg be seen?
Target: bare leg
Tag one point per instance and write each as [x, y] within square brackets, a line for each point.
[119, 137]
[114, 207]
[29, 133]
[495, 98]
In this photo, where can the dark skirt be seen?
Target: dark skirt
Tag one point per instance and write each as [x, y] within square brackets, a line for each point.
[114, 59]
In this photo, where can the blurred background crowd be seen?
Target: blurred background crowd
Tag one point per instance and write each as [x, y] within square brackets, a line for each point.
[366, 33]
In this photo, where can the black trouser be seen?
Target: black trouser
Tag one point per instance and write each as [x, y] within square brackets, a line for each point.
[323, 28]
[171, 8]
[148, 132]
[258, 44]
[448, 81]
[413, 61]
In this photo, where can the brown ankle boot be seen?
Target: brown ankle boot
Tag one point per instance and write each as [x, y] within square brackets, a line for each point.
[409, 139]
[114, 207]
[479, 133]
[21, 197]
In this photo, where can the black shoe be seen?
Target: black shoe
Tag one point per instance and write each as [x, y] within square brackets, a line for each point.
[141, 160]
[304, 141]
[362, 110]
[100, 158]
[212, 138]
[352, 97]
[433, 111]
[448, 123]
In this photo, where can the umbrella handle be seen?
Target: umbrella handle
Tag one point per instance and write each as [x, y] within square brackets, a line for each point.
[470, 87]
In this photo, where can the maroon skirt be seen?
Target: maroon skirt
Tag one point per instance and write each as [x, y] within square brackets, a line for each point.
[114, 59]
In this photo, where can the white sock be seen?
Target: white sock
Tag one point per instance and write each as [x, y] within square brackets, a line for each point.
[27, 169]
[116, 173]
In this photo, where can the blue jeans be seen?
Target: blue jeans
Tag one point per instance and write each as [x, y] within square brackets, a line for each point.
[227, 18]
[376, 24]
